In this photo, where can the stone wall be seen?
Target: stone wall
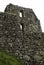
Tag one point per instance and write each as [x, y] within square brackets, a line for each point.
[25, 43]
[29, 20]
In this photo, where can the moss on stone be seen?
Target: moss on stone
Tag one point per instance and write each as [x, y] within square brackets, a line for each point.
[7, 59]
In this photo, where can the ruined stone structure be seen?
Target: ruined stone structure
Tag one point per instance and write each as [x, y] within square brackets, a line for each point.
[21, 35]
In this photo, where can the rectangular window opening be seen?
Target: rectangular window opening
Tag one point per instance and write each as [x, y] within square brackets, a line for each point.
[21, 13]
[22, 27]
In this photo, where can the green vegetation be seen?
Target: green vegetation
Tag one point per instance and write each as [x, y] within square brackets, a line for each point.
[7, 59]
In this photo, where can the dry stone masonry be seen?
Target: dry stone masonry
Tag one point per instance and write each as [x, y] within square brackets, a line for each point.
[21, 35]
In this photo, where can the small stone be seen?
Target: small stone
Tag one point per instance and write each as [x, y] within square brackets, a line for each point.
[26, 57]
[37, 57]
[10, 44]
[42, 53]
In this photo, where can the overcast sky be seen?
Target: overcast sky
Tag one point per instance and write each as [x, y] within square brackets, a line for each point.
[36, 5]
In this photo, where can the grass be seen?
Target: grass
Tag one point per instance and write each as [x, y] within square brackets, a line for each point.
[7, 59]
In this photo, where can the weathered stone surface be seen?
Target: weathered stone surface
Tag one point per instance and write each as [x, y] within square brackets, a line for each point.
[29, 20]
[22, 36]
[26, 57]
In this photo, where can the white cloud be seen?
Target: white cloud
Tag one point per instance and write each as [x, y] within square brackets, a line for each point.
[36, 5]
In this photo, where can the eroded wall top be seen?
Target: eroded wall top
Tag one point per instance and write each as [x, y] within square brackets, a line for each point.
[28, 20]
